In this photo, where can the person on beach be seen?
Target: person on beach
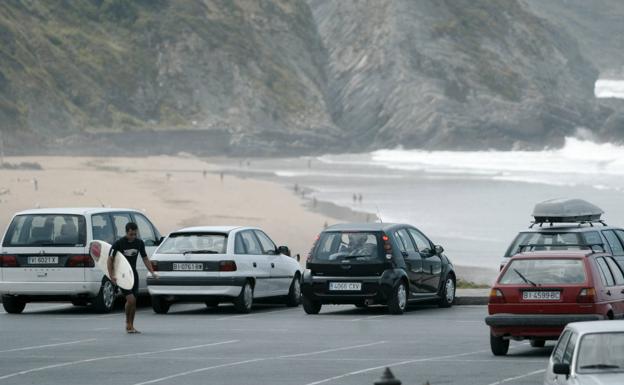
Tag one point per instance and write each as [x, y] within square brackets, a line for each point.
[130, 246]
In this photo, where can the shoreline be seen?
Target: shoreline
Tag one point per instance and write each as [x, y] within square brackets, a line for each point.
[174, 193]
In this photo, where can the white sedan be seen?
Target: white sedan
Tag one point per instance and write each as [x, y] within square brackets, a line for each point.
[222, 264]
[588, 353]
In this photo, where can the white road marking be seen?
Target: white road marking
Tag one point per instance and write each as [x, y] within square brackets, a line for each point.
[46, 346]
[533, 373]
[237, 363]
[102, 358]
[366, 370]
[367, 318]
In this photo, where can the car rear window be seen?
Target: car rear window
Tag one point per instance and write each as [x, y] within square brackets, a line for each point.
[353, 246]
[54, 230]
[194, 243]
[544, 272]
[530, 241]
[601, 353]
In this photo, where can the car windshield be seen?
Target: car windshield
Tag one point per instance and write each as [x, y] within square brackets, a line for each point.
[544, 272]
[532, 241]
[52, 230]
[601, 352]
[194, 243]
[352, 246]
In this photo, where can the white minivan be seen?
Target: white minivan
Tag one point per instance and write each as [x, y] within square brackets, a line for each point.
[45, 256]
[223, 264]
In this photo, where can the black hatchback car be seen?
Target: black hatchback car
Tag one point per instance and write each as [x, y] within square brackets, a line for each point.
[376, 263]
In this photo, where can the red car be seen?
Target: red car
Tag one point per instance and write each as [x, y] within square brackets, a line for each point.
[538, 293]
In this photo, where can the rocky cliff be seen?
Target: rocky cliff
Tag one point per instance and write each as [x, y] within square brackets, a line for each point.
[452, 74]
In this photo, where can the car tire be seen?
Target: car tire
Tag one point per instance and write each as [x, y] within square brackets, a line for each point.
[311, 306]
[104, 302]
[447, 294]
[210, 304]
[537, 343]
[160, 305]
[294, 293]
[499, 345]
[12, 304]
[244, 302]
[398, 302]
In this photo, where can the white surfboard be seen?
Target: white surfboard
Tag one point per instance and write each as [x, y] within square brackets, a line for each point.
[99, 251]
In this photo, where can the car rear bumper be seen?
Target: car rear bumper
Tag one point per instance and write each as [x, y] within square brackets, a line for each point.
[52, 289]
[539, 320]
[196, 286]
[374, 290]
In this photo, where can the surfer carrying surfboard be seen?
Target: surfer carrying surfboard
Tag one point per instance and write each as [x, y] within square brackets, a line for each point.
[131, 246]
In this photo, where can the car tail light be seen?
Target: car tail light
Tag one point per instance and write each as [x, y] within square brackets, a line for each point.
[387, 246]
[309, 257]
[496, 296]
[8, 261]
[227, 266]
[154, 265]
[586, 295]
[80, 261]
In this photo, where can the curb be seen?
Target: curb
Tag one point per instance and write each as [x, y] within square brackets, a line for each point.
[468, 300]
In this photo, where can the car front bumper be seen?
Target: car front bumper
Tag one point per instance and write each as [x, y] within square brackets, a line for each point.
[196, 286]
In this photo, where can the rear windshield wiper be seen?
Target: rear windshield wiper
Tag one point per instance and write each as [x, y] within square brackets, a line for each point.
[200, 252]
[600, 366]
[525, 279]
[355, 256]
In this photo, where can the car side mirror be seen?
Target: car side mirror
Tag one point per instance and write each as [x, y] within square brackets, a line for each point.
[438, 249]
[283, 250]
[562, 369]
[159, 241]
[426, 253]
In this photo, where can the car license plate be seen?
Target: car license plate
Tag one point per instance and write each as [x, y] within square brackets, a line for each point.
[188, 266]
[42, 260]
[541, 295]
[345, 286]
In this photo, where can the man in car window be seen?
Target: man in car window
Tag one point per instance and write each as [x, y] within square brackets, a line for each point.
[130, 246]
[358, 246]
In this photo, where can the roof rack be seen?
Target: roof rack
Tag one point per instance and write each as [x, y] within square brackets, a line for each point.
[567, 211]
[588, 245]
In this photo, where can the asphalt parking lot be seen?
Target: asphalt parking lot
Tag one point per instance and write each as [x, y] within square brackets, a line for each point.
[60, 344]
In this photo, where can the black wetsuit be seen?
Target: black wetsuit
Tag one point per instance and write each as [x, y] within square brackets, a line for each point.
[131, 251]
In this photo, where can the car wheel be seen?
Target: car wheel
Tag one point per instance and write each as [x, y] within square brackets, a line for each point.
[212, 303]
[398, 302]
[244, 301]
[105, 300]
[448, 293]
[13, 305]
[499, 345]
[160, 305]
[538, 343]
[311, 306]
[294, 294]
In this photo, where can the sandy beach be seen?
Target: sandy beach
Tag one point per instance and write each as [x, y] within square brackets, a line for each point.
[174, 192]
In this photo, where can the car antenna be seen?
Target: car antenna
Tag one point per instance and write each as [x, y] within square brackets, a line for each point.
[379, 214]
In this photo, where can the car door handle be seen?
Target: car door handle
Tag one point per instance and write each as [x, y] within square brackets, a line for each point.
[273, 265]
[622, 292]
[255, 264]
[404, 253]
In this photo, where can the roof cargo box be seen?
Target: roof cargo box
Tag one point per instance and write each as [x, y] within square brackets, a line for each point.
[566, 211]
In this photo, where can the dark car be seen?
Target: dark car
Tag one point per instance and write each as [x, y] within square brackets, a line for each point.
[376, 263]
[568, 224]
